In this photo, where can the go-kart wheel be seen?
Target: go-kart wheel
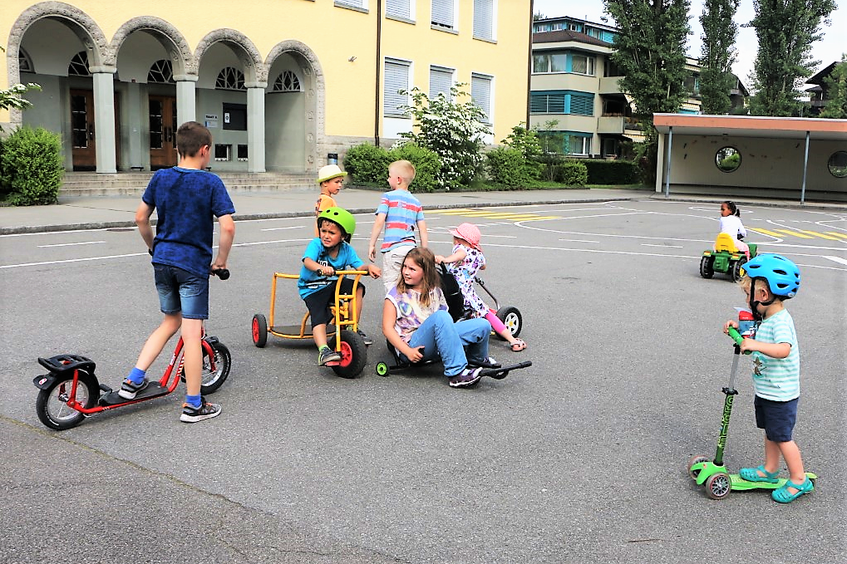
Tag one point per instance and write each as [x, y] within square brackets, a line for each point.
[707, 267]
[354, 355]
[718, 485]
[52, 403]
[694, 472]
[512, 319]
[212, 377]
[381, 369]
[737, 274]
[259, 330]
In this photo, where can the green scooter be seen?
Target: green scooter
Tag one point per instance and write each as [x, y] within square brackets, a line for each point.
[713, 473]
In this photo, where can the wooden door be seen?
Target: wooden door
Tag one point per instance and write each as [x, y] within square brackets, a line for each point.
[162, 132]
[82, 130]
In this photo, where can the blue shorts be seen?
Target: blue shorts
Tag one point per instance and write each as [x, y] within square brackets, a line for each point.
[319, 302]
[777, 418]
[182, 292]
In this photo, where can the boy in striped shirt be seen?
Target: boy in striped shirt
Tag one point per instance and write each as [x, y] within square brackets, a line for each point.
[399, 212]
[776, 371]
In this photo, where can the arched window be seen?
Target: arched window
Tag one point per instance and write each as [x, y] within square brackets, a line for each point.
[230, 78]
[287, 81]
[24, 62]
[161, 72]
[79, 65]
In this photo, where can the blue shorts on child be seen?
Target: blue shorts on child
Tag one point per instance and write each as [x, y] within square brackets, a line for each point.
[777, 418]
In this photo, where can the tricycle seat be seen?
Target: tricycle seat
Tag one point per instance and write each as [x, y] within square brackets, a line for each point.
[62, 363]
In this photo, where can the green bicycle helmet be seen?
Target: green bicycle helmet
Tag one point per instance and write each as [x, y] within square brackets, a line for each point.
[341, 217]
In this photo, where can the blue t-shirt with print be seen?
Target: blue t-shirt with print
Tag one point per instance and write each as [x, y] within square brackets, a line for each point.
[310, 282]
[186, 202]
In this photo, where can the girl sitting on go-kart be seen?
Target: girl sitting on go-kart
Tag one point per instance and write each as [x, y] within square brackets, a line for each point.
[732, 226]
[416, 322]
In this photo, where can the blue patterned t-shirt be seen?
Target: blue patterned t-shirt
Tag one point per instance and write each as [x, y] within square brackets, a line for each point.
[186, 202]
[777, 379]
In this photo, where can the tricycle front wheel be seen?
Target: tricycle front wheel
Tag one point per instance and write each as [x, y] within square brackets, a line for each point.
[354, 355]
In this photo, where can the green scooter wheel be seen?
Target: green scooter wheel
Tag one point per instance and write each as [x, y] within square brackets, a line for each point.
[696, 461]
[381, 369]
[718, 485]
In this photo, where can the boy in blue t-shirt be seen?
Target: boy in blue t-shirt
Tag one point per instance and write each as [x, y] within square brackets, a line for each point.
[185, 198]
[776, 371]
[324, 255]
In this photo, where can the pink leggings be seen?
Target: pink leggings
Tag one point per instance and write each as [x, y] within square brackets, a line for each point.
[495, 322]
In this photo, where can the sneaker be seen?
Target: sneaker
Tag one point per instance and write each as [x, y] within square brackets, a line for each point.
[468, 377]
[367, 340]
[191, 414]
[489, 362]
[326, 355]
[129, 389]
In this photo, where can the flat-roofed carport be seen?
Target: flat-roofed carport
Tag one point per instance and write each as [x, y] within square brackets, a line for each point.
[767, 157]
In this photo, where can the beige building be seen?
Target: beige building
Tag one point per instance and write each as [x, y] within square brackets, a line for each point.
[281, 85]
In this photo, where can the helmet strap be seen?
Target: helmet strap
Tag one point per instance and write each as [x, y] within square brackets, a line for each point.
[754, 302]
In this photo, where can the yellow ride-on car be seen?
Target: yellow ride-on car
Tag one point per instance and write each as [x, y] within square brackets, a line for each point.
[725, 258]
[341, 332]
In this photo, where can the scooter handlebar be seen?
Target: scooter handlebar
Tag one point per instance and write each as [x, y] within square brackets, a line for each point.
[222, 273]
[735, 335]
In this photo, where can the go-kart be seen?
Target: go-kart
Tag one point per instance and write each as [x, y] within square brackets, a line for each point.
[725, 258]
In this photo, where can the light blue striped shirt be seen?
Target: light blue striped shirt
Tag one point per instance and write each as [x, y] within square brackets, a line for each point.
[777, 379]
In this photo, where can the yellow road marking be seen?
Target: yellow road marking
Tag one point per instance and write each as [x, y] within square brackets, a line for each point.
[796, 234]
[837, 234]
[821, 235]
[766, 232]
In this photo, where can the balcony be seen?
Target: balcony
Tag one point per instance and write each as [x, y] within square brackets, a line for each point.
[610, 85]
[611, 124]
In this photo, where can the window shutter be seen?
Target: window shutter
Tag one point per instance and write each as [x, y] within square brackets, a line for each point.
[582, 104]
[396, 78]
[481, 93]
[483, 19]
[442, 13]
[440, 80]
[398, 9]
[354, 3]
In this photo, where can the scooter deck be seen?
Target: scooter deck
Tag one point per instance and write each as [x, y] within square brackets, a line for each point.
[153, 389]
[740, 484]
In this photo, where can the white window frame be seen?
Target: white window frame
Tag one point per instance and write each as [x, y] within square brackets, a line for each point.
[443, 71]
[412, 5]
[489, 112]
[358, 5]
[590, 64]
[454, 27]
[493, 34]
[393, 112]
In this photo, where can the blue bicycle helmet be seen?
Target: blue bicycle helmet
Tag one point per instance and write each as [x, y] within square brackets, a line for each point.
[782, 275]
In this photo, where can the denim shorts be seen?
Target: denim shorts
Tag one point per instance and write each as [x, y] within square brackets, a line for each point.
[319, 302]
[182, 292]
[777, 418]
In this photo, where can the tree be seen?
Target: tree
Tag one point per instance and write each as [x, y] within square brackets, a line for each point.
[836, 91]
[786, 30]
[650, 52]
[11, 98]
[717, 55]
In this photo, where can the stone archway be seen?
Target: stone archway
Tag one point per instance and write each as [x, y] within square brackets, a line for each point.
[255, 71]
[166, 34]
[306, 131]
[89, 33]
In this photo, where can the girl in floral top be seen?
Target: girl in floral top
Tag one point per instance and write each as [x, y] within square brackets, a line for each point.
[467, 259]
[416, 322]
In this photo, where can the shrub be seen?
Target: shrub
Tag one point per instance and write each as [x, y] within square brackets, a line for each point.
[32, 167]
[611, 172]
[508, 167]
[427, 166]
[367, 164]
[571, 173]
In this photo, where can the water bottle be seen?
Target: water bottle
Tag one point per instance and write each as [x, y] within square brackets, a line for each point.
[746, 324]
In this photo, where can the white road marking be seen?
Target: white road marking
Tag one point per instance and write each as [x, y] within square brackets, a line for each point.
[71, 244]
[836, 259]
[282, 228]
[661, 246]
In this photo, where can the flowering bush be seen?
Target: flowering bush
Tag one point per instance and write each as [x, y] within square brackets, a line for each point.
[453, 130]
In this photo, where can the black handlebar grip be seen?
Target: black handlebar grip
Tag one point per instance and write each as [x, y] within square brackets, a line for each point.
[222, 273]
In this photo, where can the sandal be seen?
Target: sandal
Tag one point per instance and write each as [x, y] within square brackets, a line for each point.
[752, 475]
[782, 495]
[518, 345]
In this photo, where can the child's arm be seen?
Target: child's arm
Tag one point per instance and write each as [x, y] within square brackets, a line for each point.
[773, 350]
[424, 234]
[315, 266]
[455, 257]
[377, 229]
[373, 270]
[227, 225]
[142, 220]
[389, 315]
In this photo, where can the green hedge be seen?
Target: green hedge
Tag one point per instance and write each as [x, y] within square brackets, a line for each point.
[611, 172]
[368, 164]
[572, 173]
[508, 167]
[31, 167]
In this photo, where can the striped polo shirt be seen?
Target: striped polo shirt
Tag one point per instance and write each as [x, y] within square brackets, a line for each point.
[402, 212]
[777, 379]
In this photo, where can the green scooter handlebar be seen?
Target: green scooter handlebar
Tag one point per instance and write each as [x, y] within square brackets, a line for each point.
[735, 335]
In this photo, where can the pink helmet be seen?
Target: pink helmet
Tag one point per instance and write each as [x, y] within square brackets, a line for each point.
[470, 233]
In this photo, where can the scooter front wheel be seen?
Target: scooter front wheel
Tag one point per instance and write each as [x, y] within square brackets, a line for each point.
[696, 460]
[52, 404]
[718, 485]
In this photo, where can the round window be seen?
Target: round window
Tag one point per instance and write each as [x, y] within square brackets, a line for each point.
[728, 159]
[837, 164]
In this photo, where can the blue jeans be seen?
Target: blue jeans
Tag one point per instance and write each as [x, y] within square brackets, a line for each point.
[182, 292]
[452, 341]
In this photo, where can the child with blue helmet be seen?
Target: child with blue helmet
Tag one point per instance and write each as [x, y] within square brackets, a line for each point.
[770, 280]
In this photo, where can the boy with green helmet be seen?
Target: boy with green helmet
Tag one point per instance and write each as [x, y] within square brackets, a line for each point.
[325, 254]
